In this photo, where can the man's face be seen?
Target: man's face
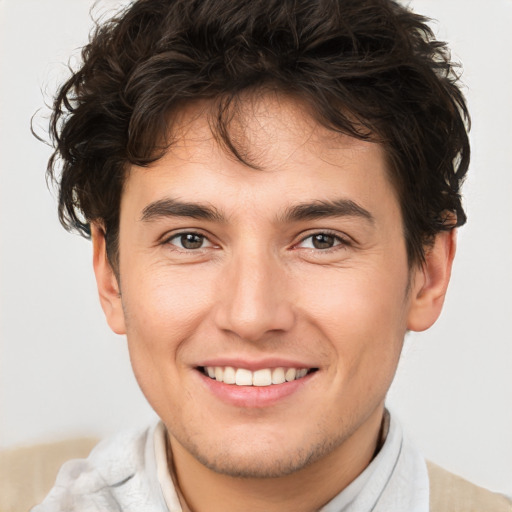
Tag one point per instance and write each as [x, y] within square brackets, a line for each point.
[297, 267]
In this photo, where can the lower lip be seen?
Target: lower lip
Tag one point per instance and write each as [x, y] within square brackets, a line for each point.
[253, 396]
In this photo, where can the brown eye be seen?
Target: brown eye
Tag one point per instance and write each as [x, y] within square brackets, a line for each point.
[323, 241]
[190, 241]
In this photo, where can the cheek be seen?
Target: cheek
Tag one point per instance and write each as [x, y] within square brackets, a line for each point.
[164, 305]
[363, 316]
[162, 312]
[367, 298]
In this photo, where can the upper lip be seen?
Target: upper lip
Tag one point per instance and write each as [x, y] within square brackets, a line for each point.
[253, 364]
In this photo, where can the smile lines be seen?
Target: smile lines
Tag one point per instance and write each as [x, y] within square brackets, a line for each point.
[263, 377]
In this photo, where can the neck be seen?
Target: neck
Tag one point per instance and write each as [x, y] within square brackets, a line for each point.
[302, 491]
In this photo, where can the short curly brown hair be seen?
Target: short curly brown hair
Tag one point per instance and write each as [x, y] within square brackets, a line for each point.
[368, 68]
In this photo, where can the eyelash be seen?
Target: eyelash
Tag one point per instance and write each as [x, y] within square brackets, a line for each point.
[168, 241]
[339, 241]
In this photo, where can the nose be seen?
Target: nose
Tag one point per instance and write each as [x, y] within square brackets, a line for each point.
[254, 299]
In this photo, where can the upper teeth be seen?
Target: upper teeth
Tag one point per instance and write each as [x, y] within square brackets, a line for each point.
[264, 377]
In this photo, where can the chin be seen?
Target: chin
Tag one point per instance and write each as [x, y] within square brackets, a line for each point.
[262, 465]
[242, 458]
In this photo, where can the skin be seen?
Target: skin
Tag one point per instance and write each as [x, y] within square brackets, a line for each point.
[257, 290]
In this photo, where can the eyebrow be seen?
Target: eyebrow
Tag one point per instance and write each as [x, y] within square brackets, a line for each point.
[322, 209]
[169, 207]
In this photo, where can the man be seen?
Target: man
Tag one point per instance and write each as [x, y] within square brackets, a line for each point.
[271, 189]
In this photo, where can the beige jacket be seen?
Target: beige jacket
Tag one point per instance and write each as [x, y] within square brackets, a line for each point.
[451, 493]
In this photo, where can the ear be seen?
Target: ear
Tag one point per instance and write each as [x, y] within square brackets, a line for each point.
[108, 287]
[431, 282]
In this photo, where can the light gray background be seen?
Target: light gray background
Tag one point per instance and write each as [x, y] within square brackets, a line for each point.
[62, 373]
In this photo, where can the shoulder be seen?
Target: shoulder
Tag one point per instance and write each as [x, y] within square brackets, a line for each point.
[118, 468]
[110, 461]
[121, 453]
[27, 473]
[451, 493]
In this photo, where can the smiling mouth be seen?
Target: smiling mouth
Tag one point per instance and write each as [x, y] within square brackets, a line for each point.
[263, 377]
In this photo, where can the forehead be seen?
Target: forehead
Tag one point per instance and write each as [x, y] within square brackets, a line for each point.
[257, 127]
[284, 155]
